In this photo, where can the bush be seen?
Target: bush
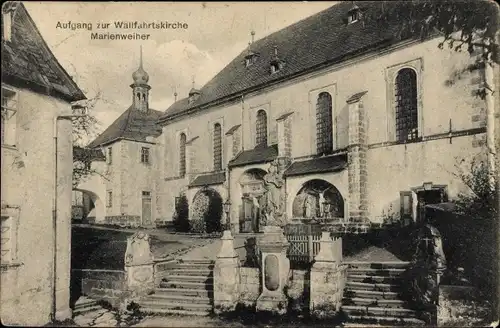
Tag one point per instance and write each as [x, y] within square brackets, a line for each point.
[180, 218]
[198, 225]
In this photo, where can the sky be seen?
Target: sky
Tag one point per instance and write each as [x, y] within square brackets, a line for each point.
[216, 33]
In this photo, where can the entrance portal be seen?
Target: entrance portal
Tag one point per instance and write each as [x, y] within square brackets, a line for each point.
[207, 205]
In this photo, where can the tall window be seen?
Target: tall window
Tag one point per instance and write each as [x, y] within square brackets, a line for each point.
[261, 128]
[145, 155]
[109, 158]
[109, 200]
[324, 124]
[182, 155]
[217, 147]
[406, 105]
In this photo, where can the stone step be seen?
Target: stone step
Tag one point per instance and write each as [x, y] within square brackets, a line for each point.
[371, 294]
[392, 272]
[378, 265]
[363, 321]
[376, 287]
[205, 279]
[184, 292]
[373, 302]
[187, 285]
[377, 311]
[174, 305]
[190, 272]
[179, 298]
[373, 279]
[85, 304]
[197, 262]
[85, 310]
[156, 311]
[181, 265]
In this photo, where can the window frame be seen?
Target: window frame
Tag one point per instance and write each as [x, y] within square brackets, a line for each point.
[406, 105]
[182, 154]
[109, 155]
[261, 128]
[390, 76]
[109, 198]
[324, 129]
[9, 117]
[11, 213]
[146, 155]
[217, 147]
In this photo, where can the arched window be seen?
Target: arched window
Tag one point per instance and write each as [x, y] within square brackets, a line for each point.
[261, 129]
[324, 124]
[217, 147]
[138, 96]
[406, 105]
[182, 155]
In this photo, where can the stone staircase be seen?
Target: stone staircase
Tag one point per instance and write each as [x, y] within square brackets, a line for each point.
[372, 295]
[85, 305]
[186, 289]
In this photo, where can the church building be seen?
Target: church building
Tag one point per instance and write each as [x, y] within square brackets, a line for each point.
[361, 126]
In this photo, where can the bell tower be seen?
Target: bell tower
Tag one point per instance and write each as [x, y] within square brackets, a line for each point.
[140, 88]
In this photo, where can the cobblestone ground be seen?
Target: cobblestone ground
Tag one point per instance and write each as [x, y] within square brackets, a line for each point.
[105, 318]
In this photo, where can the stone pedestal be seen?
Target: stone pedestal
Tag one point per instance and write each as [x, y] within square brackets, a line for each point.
[328, 279]
[226, 276]
[139, 265]
[275, 269]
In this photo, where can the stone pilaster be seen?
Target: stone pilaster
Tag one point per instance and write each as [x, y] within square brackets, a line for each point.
[328, 278]
[284, 127]
[226, 276]
[357, 172]
[275, 269]
[234, 140]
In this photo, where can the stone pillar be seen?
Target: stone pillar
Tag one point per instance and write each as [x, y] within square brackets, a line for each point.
[139, 265]
[226, 276]
[284, 123]
[357, 172]
[328, 278]
[275, 269]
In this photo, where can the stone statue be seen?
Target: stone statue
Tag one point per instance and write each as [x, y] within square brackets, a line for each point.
[426, 268]
[272, 202]
[138, 250]
[309, 206]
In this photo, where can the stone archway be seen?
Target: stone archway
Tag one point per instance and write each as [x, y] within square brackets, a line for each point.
[207, 206]
[318, 199]
[91, 207]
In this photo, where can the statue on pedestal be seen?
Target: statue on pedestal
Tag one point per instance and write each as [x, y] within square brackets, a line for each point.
[272, 202]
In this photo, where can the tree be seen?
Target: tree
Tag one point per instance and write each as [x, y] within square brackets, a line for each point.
[84, 128]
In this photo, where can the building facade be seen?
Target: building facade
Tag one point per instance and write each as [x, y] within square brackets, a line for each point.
[36, 175]
[363, 127]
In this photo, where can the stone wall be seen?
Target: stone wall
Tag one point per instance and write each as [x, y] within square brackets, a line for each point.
[105, 285]
[249, 286]
[123, 220]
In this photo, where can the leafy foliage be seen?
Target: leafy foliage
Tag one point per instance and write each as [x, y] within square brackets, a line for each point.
[469, 25]
[181, 215]
[198, 225]
[479, 202]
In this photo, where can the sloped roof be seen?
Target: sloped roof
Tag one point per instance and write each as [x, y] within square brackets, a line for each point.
[255, 156]
[322, 39]
[208, 179]
[28, 62]
[132, 125]
[318, 165]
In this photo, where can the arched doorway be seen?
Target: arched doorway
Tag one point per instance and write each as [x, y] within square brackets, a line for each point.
[207, 205]
[252, 187]
[318, 199]
[87, 207]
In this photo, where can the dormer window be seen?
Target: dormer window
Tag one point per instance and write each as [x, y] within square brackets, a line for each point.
[275, 67]
[353, 15]
[276, 63]
[194, 94]
[250, 59]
